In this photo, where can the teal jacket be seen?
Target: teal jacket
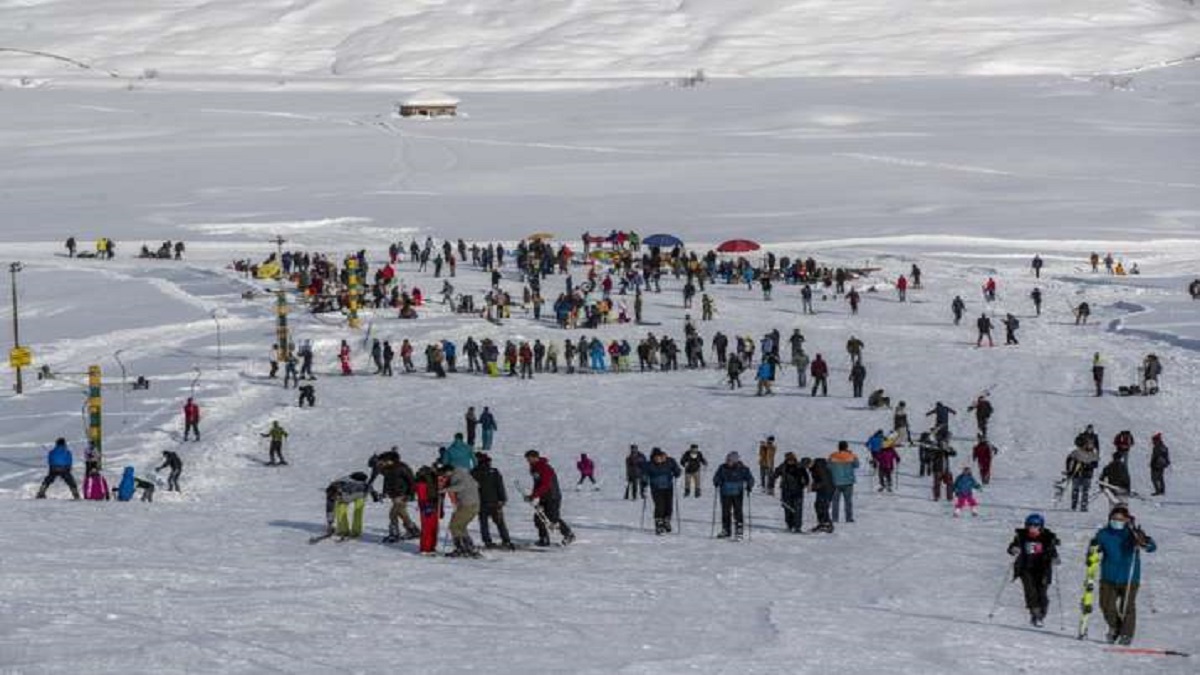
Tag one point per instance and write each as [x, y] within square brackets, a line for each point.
[1120, 563]
[459, 455]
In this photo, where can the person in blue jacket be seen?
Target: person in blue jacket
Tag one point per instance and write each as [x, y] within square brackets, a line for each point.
[59, 461]
[763, 377]
[733, 481]
[1120, 543]
[487, 423]
[459, 454]
[660, 472]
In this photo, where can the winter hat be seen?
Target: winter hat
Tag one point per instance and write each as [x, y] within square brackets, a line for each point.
[733, 457]
[1034, 520]
[655, 452]
[1156, 437]
[1121, 509]
[789, 456]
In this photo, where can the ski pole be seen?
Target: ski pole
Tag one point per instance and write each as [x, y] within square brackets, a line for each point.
[749, 515]
[1128, 584]
[678, 517]
[642, 522]
[996, 603]
[1062, 621]
[712, 531]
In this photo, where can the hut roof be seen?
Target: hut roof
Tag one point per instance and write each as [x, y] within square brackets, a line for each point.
[430, 97]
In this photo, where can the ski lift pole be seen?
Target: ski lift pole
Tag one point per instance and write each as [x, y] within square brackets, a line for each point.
[124, 396]
[95, 407]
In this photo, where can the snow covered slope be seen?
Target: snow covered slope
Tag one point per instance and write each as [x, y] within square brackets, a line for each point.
[540, 39]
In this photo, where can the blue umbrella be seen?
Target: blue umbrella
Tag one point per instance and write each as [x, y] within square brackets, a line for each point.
[663, 241]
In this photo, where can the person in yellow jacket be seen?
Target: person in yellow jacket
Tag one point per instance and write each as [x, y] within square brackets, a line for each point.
[339, 495]
[766, 465]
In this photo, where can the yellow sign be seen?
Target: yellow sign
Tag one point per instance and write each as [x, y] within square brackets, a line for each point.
[20, 357]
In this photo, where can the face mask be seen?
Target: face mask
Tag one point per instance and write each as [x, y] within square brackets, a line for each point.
[1116, 524]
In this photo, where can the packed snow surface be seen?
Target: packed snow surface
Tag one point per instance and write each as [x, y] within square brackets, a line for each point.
[541, 40]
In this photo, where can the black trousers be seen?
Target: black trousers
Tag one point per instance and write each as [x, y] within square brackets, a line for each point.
[821, 507]
[664, 503]
[551, 515]
[731, 511]
[495, 514]
[793, 510]
[191, 428]
[173, 480]
[1036, 587]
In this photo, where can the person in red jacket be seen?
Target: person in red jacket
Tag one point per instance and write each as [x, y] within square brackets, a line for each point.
[546, 499]
[982, 453]
[820, 375]
[525, 354]
[902, 287]
[191, 419]
[344, 358]
[429, 505]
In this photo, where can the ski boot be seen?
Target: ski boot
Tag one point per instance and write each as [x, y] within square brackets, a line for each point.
[723, 534]
[737, 533]
[568, 538]
[659, 527]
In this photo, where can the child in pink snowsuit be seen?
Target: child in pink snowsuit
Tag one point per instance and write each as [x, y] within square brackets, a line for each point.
[94, 486]
[964, 492]
[587, 469]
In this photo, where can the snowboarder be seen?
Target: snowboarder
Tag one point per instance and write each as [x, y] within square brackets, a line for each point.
[171, 461]
[693, 461]
[792, 478]
[492, 498]
[1160, 459]
[964, 492]
[1035, 553]
[1119, 544]
[660, 472]
[276, 433]
[842, 465]
[733, 482]
[587, 469]
[547, 500]
[464, 493]
[191, 419]
[59, 460]
[398, 486]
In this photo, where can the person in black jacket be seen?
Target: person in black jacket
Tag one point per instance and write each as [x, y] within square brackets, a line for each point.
[1036, 552]
[635, 487]
[171, 460]
[1114, 480]
[660, 473]
[792, 479]
[1160, 459]
[821, 483]
[398, 485]
[492, 498]
[693, 462]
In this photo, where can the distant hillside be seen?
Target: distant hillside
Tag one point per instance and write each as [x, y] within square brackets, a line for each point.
[551, 39]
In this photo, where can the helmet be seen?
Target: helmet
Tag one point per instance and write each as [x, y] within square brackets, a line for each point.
[1034, 520]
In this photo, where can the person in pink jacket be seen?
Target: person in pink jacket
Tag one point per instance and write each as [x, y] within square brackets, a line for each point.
[587, 469]
[95, 487]
[885, 461]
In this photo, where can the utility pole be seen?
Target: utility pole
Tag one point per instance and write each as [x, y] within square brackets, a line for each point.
[17, 358]
[217, 320]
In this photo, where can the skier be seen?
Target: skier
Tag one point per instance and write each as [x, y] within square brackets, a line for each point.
[984, 324]
[172, 461]
[1037, 266]
[989, 290]
[1082, 312]
[191, 419]
[429, 504]
[1036, 296]
[276, 433]
[587, 469]
[1160, 459]
[964, 492]
[59, 460]
[660, 472]
[902, 288]
[733, 482]
[95, 487]
[693, 461]
[1080, 465]
[1011, 324]
[1098, 374]
[547, 500]
[820, 375]
[762, 378]
[635, 487]
[339, 495]
[982, 407]
[1119, 544]
[821, 484]
[858, 375]
[398, 485]
[1035, 553]
[792, 477]
[464, 494]
[487, 423]
[733, 370]
[958, 308]
[842, 465]
[492, 498]
[982, 453]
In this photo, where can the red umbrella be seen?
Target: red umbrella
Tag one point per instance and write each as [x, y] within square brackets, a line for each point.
[738, 246]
